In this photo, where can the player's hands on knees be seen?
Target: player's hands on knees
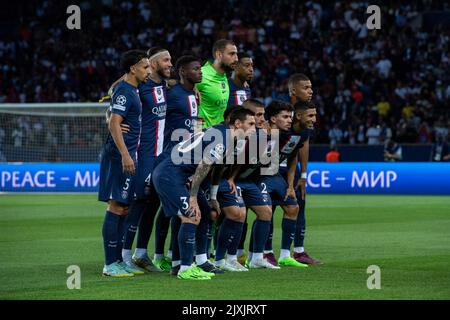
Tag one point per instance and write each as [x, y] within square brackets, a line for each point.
[302, 185]
[193, 209]
[128, 164]
[232, 186]
[214, 204]
[290, 192]
[124, 128]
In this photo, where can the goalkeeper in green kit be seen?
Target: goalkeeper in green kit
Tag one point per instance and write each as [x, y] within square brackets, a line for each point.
[214, 88]
[214, 92]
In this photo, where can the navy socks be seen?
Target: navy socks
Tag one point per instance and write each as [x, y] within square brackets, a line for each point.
[110, 232]
[186, 242]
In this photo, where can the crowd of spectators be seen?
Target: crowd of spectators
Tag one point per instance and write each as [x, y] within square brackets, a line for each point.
[21, 136]
[370, 85]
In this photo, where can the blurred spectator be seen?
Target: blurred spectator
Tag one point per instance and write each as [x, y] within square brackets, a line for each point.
[361, 135]
[335, 134]
[383, 107]
[333, 155]
[385, 132]
[401, 71]
[383, 66]
[373, 134]
[2, 139]
[441, 149]
[17, 136]
[350, 135]
[424, 133]
[392, 151]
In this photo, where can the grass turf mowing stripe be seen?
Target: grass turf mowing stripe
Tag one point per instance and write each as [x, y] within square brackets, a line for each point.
[406, 236]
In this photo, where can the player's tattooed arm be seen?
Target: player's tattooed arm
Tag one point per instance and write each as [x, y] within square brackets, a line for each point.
[291, 165]
[116, 133]
[200, 174]
[303, 154]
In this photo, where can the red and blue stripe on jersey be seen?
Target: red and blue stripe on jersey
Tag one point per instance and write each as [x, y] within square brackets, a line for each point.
[154, 106]
[182, 113]
[237, 94]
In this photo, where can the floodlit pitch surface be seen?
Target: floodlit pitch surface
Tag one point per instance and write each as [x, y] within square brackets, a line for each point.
[408, 237]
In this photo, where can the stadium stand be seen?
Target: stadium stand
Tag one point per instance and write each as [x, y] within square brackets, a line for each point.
[373, 85]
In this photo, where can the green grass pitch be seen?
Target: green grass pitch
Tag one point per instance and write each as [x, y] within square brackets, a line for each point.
[408, 237]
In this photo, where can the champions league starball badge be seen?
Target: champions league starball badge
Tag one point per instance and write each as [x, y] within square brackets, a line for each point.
[121, 100]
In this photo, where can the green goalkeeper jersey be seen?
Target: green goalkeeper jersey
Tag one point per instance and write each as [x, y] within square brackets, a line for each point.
[214, 91]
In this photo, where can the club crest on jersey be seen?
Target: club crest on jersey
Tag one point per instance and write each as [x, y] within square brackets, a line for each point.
[124, 194]
[224, 86]
[241, 96]
[158, 94]
[193, 106]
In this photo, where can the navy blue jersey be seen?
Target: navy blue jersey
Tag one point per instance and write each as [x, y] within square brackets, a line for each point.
[257, 148]
[237, 94]
[126, 103]
[214, 145]
[182, 113]
[305, 135]
[291, 142]
[154, 105]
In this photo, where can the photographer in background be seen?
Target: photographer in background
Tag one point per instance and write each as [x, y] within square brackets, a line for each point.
[392, 151]
[441, 149]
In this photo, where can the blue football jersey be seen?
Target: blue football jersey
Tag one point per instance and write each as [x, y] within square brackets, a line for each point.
[258, 147]
[182, 113]
[154, 105]
[237, 94]
[214, 145]
[291, 142]
[126, 103]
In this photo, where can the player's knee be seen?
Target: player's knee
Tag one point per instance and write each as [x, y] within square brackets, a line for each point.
[263, 213]
[117, 208]
[214, 215]
[192, 220]
[291, 212]
[233, 213]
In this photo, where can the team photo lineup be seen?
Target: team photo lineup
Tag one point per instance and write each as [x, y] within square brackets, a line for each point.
[283, 149]
[205, 202]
